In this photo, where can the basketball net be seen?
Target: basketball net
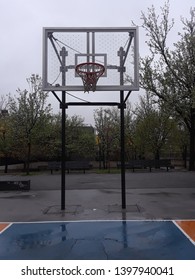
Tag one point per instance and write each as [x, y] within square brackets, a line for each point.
[90, 72]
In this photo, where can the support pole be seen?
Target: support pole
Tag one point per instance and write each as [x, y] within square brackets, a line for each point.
[122, 54]
[63, 53]
[122, 120]
[63, 158]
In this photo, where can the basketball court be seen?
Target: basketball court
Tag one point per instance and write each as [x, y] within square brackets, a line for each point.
[102, 240]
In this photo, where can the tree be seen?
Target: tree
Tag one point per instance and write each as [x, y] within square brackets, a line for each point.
[107, 129]
[153, 128]
[6, 138]
[170, 74]
[80, 139]
[51, 142]
[29, 113]
[107, 124]
[86, 143]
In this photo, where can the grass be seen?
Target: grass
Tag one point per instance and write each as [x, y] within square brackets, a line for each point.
[34, 172]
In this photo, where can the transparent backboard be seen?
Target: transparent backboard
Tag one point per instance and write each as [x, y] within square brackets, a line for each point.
[115, 48]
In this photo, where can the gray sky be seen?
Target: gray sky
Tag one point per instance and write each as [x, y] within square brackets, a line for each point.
[21, 24]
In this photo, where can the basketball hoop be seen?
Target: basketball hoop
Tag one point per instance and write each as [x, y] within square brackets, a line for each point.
[90, 73]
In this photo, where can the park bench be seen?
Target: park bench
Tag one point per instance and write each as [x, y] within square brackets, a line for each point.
[160, 163]
[69, 165]
[15, 185]
[147, 163]
[134, 164]
[77, 165]
[54, 165]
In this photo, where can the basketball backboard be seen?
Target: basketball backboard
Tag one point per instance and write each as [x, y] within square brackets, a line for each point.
[115, 48]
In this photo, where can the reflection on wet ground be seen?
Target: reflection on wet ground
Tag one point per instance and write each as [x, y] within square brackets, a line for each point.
[147, 240]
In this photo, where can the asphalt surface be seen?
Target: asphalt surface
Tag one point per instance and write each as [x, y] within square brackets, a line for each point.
[149, 196]
[96, 240]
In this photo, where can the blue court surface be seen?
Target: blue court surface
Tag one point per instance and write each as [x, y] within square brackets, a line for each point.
[100, 240]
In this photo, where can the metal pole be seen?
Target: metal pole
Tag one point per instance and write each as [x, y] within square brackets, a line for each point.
[63, 124]
[121, 55]
[63, 159]
[123, 187]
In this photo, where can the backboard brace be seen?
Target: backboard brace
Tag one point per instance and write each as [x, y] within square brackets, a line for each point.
[114, 48]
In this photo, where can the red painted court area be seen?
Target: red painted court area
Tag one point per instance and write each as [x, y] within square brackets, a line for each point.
[3, 226]
[117, 240]
[188, 227]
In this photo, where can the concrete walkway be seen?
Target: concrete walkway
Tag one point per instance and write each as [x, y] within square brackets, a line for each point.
[157, 195]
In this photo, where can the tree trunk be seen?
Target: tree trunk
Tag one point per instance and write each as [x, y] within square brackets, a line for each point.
[157, 155]
[28, 159]
[6, 164]
[184, 155]
[191, 160]
[192, 141]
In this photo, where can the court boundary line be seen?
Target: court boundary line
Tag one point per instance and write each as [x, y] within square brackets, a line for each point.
[80, 221]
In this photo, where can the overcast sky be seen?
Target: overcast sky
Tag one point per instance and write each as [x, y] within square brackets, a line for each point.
[21, 24]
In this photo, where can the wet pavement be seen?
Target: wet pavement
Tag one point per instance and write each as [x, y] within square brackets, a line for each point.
[157, 195]
[158, 222]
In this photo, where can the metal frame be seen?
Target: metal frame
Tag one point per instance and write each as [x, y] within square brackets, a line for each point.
[131, 30]
[121, 105]
[121, 88]
[103, 55]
